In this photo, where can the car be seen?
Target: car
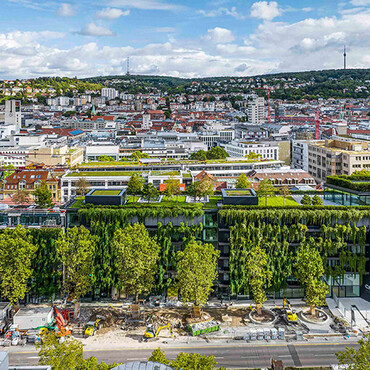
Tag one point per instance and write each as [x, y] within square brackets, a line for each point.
[367, 287]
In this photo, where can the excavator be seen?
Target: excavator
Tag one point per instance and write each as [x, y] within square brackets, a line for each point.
[152, 331]
[289, 315]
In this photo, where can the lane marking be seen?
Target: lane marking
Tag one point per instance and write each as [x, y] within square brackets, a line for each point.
[202, 347]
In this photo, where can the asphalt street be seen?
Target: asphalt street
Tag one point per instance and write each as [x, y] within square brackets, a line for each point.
[233, 356]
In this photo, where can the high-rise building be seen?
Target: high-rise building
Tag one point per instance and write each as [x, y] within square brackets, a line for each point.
[13, 114]
[109, 93]
[256, 110]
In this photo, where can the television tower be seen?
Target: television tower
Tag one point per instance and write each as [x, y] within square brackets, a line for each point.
[128, 66]
[345, 57]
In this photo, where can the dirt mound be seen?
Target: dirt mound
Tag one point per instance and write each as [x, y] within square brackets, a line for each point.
[112, 316]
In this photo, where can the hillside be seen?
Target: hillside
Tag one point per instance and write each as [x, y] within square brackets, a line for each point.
[351, 83]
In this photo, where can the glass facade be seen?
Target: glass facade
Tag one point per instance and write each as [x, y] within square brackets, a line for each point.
[345, 198]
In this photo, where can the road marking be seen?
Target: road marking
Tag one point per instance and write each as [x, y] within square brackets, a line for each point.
[232, 345]
[135, 359]
[285, 356]
[219, 357]
[324, 355]
[250, 356]
[34, 357]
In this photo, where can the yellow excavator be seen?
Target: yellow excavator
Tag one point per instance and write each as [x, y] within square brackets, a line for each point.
[152, 331]
[289, 315]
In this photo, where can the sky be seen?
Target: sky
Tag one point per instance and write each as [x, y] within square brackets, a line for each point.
[192, 38]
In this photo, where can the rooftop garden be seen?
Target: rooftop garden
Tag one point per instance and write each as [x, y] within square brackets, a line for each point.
[165, 173]
[103, 173]
[278, 202]
[358, 181]
[106, 192]
[239, 193]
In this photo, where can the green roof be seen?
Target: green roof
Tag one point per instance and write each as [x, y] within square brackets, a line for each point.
[104, 173]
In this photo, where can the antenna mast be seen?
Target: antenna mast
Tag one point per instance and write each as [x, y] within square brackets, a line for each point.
[345, 57]
[128, 66]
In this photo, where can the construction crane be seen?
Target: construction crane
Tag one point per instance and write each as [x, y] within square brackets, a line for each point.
[317, 129]
[268, 89]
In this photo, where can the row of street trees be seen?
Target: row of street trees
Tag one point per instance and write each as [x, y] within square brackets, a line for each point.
[137, 256]
[308, 269]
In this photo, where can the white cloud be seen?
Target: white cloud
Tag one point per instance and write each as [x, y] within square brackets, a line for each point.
[307, 9]
[112, 13]
[220, 12]
[265, 10]
[219, 35]
[66, 10]
[92, 29]
[165, 29]
[145, 4]
[360, 2]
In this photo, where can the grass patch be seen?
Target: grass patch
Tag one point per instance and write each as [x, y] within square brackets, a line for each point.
[104, 173]
[277, 202]
[213, 200]
[239, 193]
[186, 175]
[106, 192]
[79, 202]
[165, 173]
[175, 199]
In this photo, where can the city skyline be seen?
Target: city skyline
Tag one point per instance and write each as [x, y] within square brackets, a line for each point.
[80, 38]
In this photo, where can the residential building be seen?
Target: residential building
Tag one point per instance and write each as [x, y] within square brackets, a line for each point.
[109, 93]
[256, 110]
[267, 150]
[56, 155]
[339, 156]
[30, 180]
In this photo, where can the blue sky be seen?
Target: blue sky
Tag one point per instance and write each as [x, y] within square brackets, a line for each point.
[180, 38]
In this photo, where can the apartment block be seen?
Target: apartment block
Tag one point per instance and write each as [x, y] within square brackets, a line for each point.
[339, 156]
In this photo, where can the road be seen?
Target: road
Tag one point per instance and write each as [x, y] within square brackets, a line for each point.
[233, 356]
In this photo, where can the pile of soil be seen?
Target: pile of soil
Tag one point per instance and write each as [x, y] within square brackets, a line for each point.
[266, 316]
[318, 317]
[112, 316]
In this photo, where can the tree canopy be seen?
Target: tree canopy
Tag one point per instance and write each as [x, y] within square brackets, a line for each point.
[16, 254]
[309, 270]
[242, 182]
[356, 359]
[197, 270]
[76, 250]
[43, 196]
[265, 189]
[137, 256]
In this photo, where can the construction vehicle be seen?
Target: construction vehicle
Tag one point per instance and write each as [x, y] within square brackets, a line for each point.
[152, 331]
[91, 327]
[290, 315]
[5, 316]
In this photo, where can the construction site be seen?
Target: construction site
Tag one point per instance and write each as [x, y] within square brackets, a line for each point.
[157, 322]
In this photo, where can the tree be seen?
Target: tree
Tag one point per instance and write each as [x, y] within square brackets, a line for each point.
[159, 356]
[258, 275]
[285, 192]
[76, 249]
[150, 192]
[137, 259]
[252, 156]
[265, 189]
[306, 200]
[16, 255]
[203, 187]
[185, 361]
[82, 186]
[105, 158]
[135, 185]
[356, 359]
[200, 155]
[44, 197]
[139, 155]
[309, 270]
[67, 354]
[197, 270]
[172, 187]
[317, 201]
[242, 182]
[217, 153]
[21, 197]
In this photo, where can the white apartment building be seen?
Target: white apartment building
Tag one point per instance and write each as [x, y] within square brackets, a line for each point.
[12, 119]
[109, 93]
[212, 138]
[268, 150]
[62, 101]
[256, 110]
[300, 154]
